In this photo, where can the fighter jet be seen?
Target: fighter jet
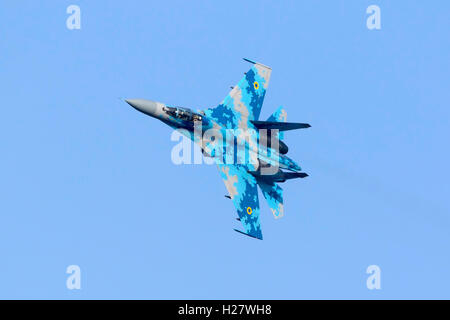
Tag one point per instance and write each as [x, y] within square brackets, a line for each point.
[247, 151]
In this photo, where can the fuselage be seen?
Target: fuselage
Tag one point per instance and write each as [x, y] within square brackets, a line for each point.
[247, 146]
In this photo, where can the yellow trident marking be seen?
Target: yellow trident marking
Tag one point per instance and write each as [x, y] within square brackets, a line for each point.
[249, 210]
[256, 85]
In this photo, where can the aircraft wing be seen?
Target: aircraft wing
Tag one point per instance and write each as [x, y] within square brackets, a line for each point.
[243, 190]
[245, 100]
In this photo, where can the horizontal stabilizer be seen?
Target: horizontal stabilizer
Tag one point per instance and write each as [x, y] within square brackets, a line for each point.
[281, 126]
[274, 196]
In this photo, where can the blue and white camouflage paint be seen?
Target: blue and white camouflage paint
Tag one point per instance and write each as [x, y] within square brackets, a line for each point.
[243, 147]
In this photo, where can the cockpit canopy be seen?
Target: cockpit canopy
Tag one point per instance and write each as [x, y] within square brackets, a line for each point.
[182, 113]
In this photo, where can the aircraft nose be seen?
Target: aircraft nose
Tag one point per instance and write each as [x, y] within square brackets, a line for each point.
[145, 106]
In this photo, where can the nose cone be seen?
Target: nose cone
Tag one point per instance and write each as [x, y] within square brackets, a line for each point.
[145, 106]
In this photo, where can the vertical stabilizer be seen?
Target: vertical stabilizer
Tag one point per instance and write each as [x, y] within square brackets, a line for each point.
[280, 115]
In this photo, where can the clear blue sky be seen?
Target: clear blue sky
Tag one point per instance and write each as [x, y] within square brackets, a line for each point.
[87, 180]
